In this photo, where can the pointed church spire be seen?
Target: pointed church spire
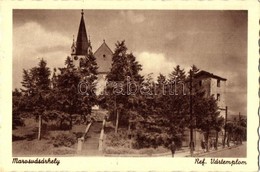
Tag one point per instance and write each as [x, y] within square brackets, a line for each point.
[82, 44]
[82, 12]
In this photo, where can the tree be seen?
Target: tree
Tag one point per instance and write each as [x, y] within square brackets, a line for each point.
[178, 100]
[125, 70]
[177, 74]
[164, 110]
[239, 129]
[42, 77]
[115, 78]
[17, 108]
[28, 83]
[218, 125]
[68, 97]
[75, 89]
[147, 128]
[207, 115]
[36, 83]
[88, 74]
[229, 127]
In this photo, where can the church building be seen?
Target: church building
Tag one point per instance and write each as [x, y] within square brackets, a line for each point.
[82, 47]
[212, 84]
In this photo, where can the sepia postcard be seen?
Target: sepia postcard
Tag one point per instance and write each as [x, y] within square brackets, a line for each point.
[129, 86]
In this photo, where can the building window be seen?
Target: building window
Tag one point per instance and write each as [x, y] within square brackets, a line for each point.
[81, 62]
[218, 97]
[218, 83]
[200, 83]
[104, 56]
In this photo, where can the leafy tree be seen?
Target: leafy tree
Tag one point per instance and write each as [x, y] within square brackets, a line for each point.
[239, 129]
[236, 130]
[208, 115]
[229, 127]
[218, 125]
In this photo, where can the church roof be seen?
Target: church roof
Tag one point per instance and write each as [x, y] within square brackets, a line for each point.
[82, 39]
[104, 46]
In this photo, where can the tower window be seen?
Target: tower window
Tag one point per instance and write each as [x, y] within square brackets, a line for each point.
[81, 62]
[200, 83]
[104, 56]
[218, 97]
[218, 83]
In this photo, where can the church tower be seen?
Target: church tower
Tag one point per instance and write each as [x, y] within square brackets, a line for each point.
[81, 48]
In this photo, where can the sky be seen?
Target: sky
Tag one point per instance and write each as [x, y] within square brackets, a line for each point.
[215, 41]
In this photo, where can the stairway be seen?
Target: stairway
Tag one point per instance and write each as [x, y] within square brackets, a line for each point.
[90, 146]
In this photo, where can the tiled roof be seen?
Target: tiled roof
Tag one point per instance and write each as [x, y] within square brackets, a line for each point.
[104, 45]
[207, 74]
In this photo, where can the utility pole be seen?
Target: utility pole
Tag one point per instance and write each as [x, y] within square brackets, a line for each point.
[191, 120]
[225, 132]
[117, 117]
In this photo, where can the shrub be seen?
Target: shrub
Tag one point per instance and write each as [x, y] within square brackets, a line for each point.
[63, 151]
[154, 140]
[64, 139]
[144, 151]
[15, 138]
[146, 140]
[118, 150]
[118, 140]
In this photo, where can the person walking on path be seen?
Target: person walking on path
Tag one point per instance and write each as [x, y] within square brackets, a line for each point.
[173, 148]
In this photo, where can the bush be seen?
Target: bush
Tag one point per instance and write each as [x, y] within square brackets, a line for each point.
[145, 151]
[152, 139]
[155, 140]
[16, 138]
[118, 150]
[17, 122]
[118, 140]
[150, 151]
[63, 151]
[64, 139]
[178, 141]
